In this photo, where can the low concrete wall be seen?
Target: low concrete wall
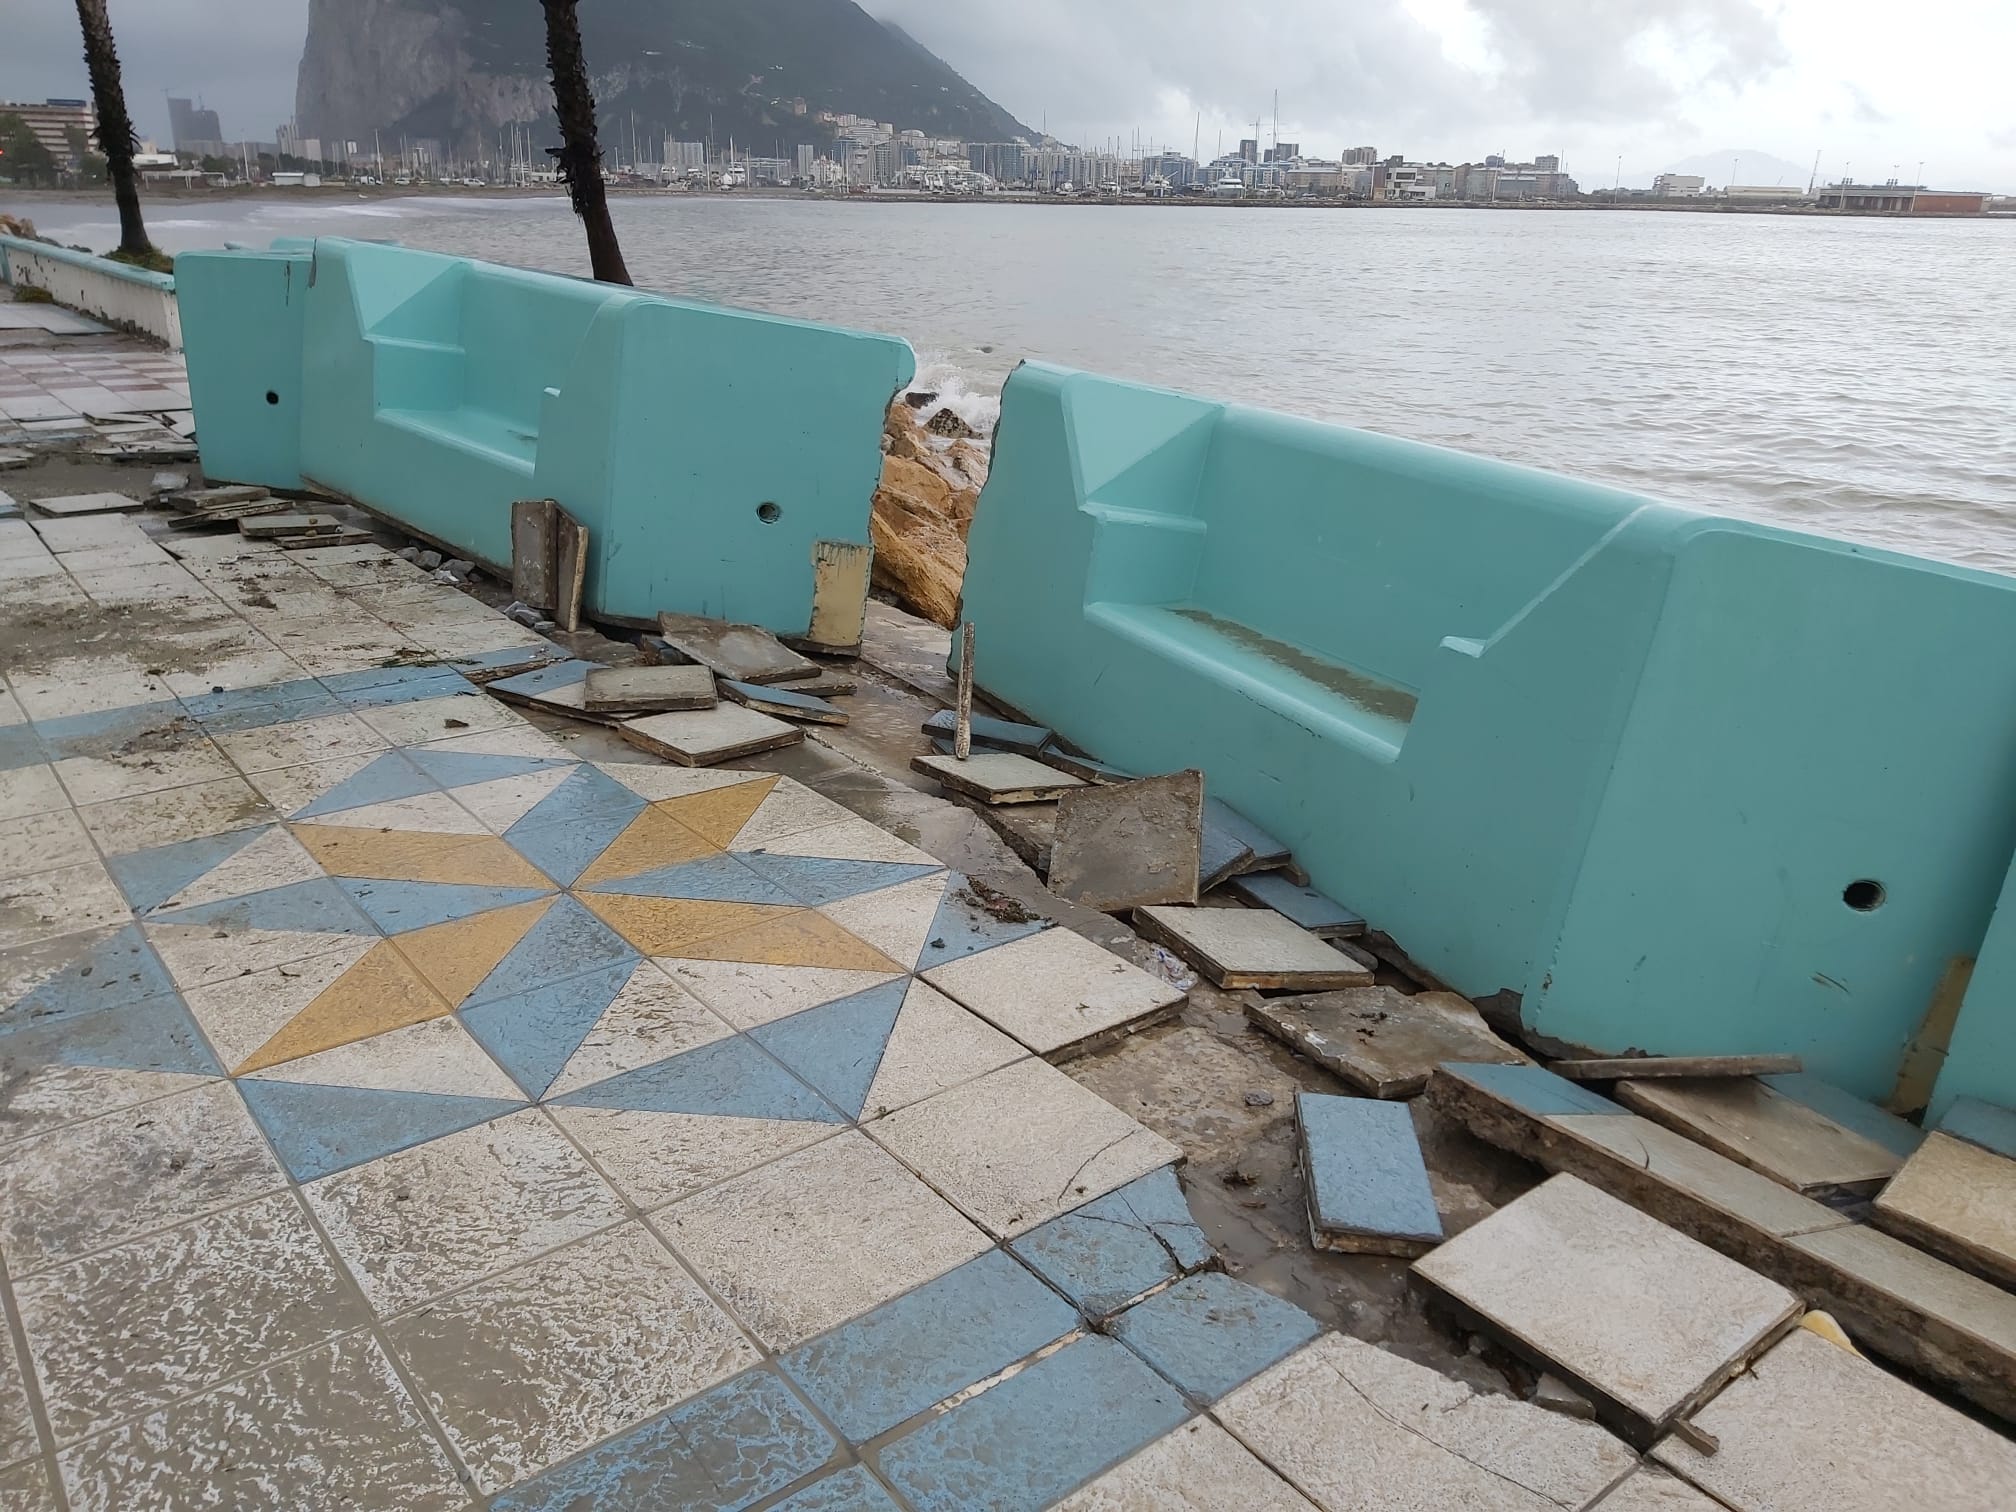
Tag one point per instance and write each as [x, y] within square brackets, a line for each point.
[108, 290]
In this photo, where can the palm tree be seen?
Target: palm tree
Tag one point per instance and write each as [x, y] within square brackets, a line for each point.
[115, 132]
[579, 155]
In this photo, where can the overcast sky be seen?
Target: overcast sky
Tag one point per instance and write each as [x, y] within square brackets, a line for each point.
[1876, 87]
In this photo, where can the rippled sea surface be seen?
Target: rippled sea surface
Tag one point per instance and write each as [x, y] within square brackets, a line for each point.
[1856, 377]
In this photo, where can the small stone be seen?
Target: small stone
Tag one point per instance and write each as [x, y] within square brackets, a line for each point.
[169, 482]
[1259, 1099]
[545, 626]
[428, 560]
[408, 553]
[1556, 1395]
[525, 616]
[462, 567]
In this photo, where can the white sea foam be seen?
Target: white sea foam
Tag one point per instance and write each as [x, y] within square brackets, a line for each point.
[969, 394]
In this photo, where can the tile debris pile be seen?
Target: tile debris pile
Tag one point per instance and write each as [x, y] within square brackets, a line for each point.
[404, 1111]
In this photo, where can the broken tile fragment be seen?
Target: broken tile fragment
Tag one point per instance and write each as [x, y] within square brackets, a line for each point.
[994, 734]
[1109, 1252]
[1755, 1124]
[1957, 1200]
[997, 777]
[1250, 947]
[646, 690]
[1314, 911]
[1211, 1334]
[1980, 1123]
[1368, 1185]
[741, 653]
[1055, 991]
[1130, 844]
[1380, 1040]
[705, 737]
[784, 703]
[1650, 1321]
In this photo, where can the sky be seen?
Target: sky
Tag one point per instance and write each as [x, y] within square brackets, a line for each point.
[1872, 88]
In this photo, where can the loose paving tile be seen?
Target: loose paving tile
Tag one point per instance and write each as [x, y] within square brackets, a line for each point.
[1210, 1333]
[928, 1345]
[994, 734]
[1109, 1252]
[64, 505]
[1056, 992]
[1644, 1320]
[1037, 1436]
[1957, 1200]
[705, 737]
[93, 1185]
[1368, 1185]
[1980, 1123]
[1021, 1145]
[997, 777]
[1381, 1041]
[1811, 1427]
[333, 1427]
[728, 1449]
[818, 1237]
[1638, 1068]
[1356, 1429]
[1751, 1122]
[1122, 846]
[1250, 947]
[1198, 1467]
[740, 653]
[1312, 910]
[644, 690]
[413, 1225]
[783, 703]
[129, 1330]
[565, 1351]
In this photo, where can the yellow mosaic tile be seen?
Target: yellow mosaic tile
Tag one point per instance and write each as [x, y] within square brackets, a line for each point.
[456, 956]
[410, 856]
[380, 993]
[652, 840]
[800, 938]
[677, 926]
[718, 814]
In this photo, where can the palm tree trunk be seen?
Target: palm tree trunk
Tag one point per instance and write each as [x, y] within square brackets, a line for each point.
[115, 126]
[580, 156]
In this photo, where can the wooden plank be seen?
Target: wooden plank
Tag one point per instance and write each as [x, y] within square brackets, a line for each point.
[1664, 1067]
[534, 551]
[708, 736]
[997, 777]
[1251, 947]
[1118, 848]
[228, 514]
[570, 570]
[649, 690]
[739, 653]
[840, 571]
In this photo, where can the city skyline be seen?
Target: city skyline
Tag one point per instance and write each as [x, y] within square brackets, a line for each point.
[1671, 81]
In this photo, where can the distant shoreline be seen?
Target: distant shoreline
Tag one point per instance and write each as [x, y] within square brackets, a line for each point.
[186, 196]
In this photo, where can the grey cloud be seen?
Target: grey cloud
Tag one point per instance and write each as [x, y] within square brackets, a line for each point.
[1866, 112]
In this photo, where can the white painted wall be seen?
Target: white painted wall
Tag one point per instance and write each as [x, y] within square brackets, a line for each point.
[108, 290]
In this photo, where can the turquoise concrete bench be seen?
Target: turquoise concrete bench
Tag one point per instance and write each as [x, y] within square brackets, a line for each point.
[707, 450]
[1669, 781]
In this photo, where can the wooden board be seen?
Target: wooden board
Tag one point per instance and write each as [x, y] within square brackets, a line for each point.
[708, 736]
[228, 514]
[1122, 847]
[570, 570]
[739, 653]
[997, 777]
[534, 551]
[649, 690]
[840, 571]
[1251, 947]
[1668, 1067]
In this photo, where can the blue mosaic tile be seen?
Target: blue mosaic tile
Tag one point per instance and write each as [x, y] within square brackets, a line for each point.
[517, 655]
[713, 879]
[533, 1034]
[568, 942]
[1299, 905]
[1851, 1112]
[1108, 1252]
[320, 1130]
[385, 779]
[1210, 1334]
[84, 973]
[81, 734]
[816, 880]
[962, 928]
[849, 1490]
[462, 768]
[1979, 1123]
[999, 734]
[872, 1373]
[150, 878]
[155, 1034]
[1241, 831]
[400, 907]
[1036, 1437]
[1367, 1180]
[19, 747]
[567, 829]
[256, 708]
[544, 679]
[838, 1046]
[382, 687]
[721, 1452]
[318, 906]
[1534, 1090]
[730, 1078]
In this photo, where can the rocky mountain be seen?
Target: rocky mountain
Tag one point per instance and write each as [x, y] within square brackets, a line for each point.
[695, 70]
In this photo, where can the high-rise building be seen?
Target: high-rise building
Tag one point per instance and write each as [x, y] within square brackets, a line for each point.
[194, 128]
[53, 122]
[807, 156]
[1003, 162]
[1358, 157]
[1284, 152]
[1547, 162]
[1249, 149]
[683, 157]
